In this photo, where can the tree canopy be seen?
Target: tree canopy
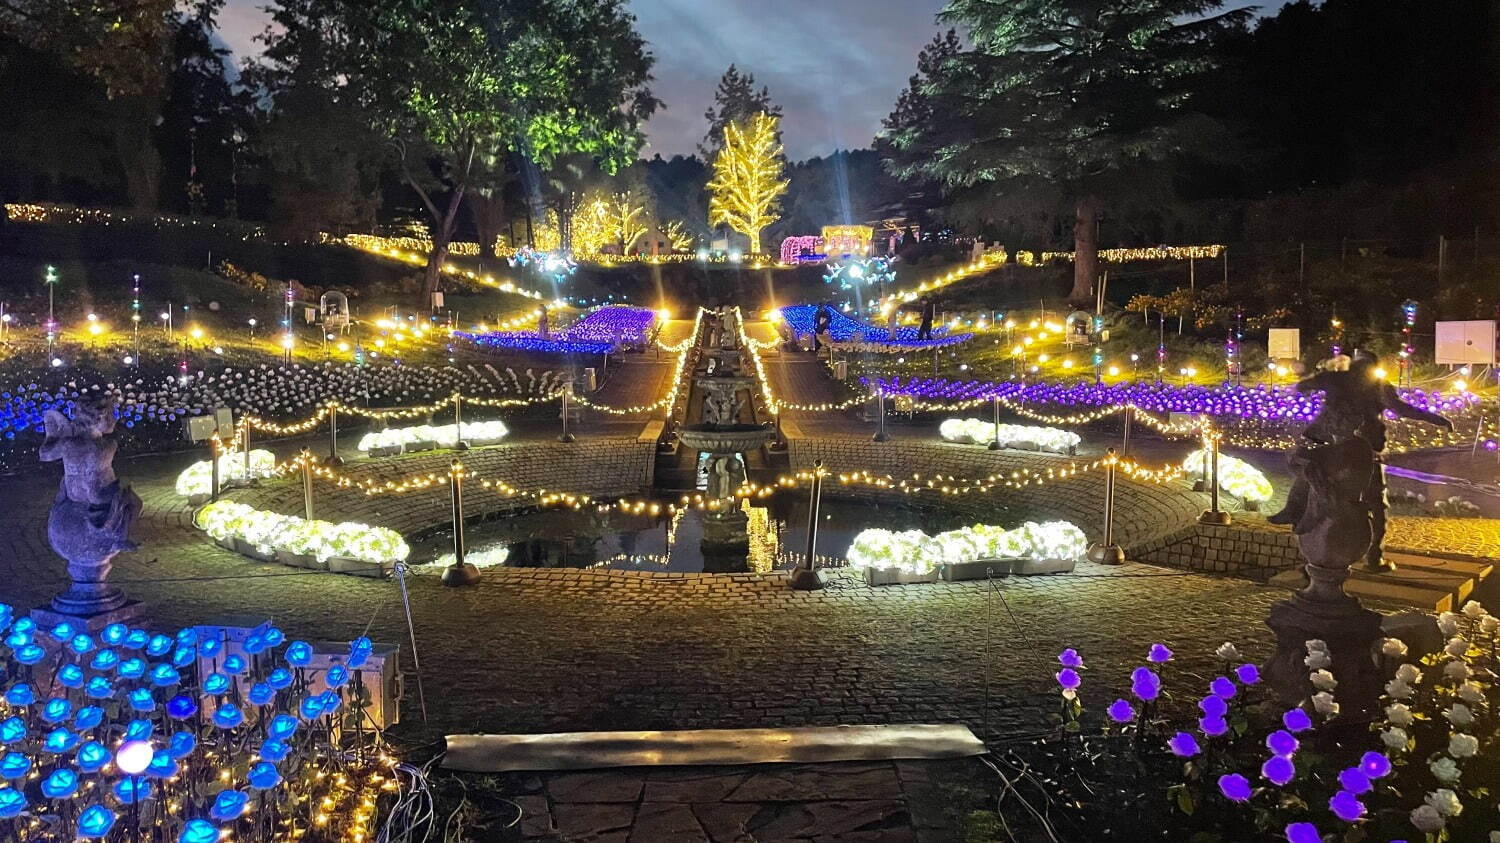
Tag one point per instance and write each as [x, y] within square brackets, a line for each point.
[735, 101]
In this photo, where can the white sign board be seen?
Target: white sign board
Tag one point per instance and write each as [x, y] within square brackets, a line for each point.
[1284, 344]
[1465, 343]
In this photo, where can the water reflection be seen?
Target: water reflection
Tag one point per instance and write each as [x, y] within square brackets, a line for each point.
[754, 539]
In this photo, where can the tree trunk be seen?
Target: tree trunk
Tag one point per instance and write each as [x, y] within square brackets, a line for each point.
[489, 213]
[442, 235]
[755, 242]
[1085, 251]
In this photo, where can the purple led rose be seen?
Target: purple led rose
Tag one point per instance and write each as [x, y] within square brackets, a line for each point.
[1303, 833]
[1183, 745]
[1223, 687]
[1235, 787]
[1158, 654]
[1346, 806]
[1069, 678]
[1120, 711]
[1144, 684]
[1278, 770]
[1355, 780]
[1248, 674]
[1296, 720]
[1213, 726]
[1213, 706]
[1070, 658]
[1281, 742]
[1375, 765]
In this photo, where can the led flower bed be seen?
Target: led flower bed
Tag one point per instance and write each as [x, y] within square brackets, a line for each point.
[197, 479]
[442, 435]
[868, 337]
[600, 332]
[1236, 477]
[915, 552]
[243, 739]
[486, 557]
[980, 432]
[266, 534]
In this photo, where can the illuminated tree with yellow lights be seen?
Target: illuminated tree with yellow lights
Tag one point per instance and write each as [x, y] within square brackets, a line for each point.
[678, 237]
[747, 185]
[591, 226]
[627, 219]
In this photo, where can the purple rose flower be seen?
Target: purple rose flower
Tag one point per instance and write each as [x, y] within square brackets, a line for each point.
[1303, 833]
[1354, 780]
[1281, 742]
[1121, 712]
[1070, 658]
[1213, 706]
[1375, 765]
[1158, 654]
[1068, 678]
[1248, 674]
[1223, 687]
[1183, 745]
[1346, 806]
[1279, 770]
[1144, 684]
[1213, 726]
[1235, 787]
[1296, 720]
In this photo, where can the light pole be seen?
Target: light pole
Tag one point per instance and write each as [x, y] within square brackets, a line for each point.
[50, 279]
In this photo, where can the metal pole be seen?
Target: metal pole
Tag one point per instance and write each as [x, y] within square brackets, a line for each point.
[808, 576]
[460, 573]
[1108, 553]
[1213, 515]
[411, 633]
[333, 434]
[458, 422]
[1125, 439]
[995, 414]
[880, 435]
[213, 456]
[307, 494]
[567, 392]
[245, 443]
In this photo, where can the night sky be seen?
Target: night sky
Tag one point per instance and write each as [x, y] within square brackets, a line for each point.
[835, 66]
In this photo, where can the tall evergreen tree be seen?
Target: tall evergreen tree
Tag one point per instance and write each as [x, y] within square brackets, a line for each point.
[1088, 98]
[735, 101]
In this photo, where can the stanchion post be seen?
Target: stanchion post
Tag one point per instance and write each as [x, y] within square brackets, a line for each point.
[1125, 437]
[213, 471]
[567, 393]
[1107, 552]
[1213, 515]
[995, 417]
[880, 434]
[808, 576]
[307, 493]
[460, 573]
[244, 439]
[458, 422]
[333, 434]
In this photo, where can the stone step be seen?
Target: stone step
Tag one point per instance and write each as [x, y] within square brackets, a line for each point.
[1459, 585]
[1424, 582]
[1472, 568]
[1426, 599]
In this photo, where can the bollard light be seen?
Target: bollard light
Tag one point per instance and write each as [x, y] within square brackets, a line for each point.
[1213, 515]
[1107, 552]
[808, 576]
[460, 573]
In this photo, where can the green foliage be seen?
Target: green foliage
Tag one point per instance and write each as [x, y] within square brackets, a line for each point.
[735, 101]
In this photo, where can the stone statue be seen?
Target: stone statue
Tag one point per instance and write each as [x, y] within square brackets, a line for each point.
[1337, 510]
[726, 474]
[90, 520]
[721, 407]
[1354, 401]
[729, 336]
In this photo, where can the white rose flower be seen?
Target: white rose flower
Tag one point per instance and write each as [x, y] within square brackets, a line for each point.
[1323, 703]
[1445, 802]
[1317, 660]
[1495, 837]
[1394, 738]
[1461, 745]
[1427, 819]
[1471, 692]
[1227, 652]
[1473, 609]
[1488, 624]
[1323, 680]
[1459, 714]
[1398, 715]
[1444, 769]
[1397, 690]
[1456, 647]
[1458, 671]
[1393, 647]
[1316, 645]
[1447, 622]
[1409, 674]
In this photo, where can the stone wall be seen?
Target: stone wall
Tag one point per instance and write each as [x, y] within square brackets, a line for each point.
[1251, 549]
[601, 467]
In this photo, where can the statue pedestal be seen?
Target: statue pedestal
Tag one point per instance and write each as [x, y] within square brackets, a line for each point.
[1352, 633]
[130, 612]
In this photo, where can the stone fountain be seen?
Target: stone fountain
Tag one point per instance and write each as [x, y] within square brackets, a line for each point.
[91, 518]
[725, 429]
